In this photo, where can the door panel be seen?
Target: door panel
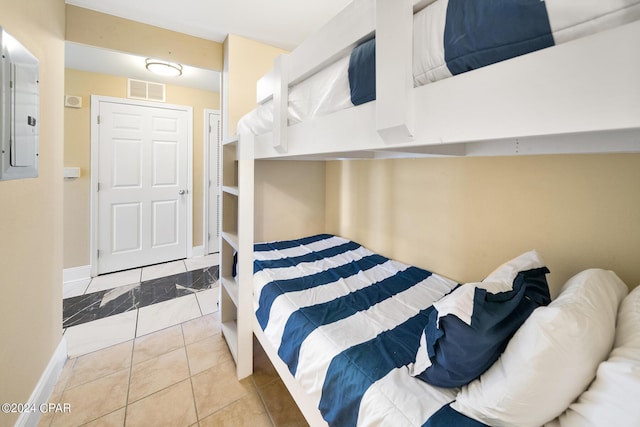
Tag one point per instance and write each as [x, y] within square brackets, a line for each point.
[165, 220]
[126, 227]
[126, 163]
[143, 177]
[165, 163]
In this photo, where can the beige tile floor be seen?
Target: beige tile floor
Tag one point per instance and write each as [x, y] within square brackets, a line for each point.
[183, 375]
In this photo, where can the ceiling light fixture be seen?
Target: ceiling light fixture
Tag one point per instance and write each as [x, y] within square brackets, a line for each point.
[164, 68]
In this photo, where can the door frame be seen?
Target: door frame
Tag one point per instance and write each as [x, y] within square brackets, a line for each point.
[207, 175]
[95, 162]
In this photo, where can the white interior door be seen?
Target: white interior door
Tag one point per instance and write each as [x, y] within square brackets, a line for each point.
[142, 185]
[214, 182]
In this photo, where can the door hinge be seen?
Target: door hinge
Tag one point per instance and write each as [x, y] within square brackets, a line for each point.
[98, 253]
[98, 188]
[98, 119]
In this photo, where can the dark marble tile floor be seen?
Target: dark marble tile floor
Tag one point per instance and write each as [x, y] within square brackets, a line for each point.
[96, 305]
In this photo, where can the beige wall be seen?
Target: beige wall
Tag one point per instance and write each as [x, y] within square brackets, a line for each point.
[107, 31]
[289, 199]
[462, 217]
[245, 62]
[31, 217]
[78, 153]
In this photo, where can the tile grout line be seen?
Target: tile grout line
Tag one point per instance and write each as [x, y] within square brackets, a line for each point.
[193, 391]
[133, 349]
[87, 288]
[198, 302]
[264, 404]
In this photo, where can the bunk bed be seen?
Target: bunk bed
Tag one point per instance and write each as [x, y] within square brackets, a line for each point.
[569, 97]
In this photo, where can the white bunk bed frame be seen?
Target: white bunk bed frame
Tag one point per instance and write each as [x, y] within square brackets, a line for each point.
[578, 90]
[584, 97]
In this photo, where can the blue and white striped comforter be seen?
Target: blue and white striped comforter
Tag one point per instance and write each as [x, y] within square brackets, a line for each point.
[347, 322]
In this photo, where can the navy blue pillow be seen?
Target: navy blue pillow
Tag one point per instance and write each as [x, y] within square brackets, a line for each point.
[460, 352]
[479, 33]
[362, 72]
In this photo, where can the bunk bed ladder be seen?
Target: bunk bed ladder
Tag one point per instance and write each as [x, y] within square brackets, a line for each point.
[236, 251]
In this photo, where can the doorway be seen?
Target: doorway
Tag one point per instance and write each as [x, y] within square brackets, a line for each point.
[141, 176]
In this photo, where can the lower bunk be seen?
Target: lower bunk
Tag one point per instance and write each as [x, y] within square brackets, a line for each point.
[363, 340]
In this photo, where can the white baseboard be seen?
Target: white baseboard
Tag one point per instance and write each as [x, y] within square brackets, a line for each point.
[42, 392]
[197, 251]
[76, 273]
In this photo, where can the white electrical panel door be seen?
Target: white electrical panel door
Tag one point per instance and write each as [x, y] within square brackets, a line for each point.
[24, 110]
[19, 111]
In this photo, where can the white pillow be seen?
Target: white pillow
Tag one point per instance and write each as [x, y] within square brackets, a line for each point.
[612, 398]
[552, 358]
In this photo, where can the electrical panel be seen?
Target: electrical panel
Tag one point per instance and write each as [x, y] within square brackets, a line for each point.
[19, 110]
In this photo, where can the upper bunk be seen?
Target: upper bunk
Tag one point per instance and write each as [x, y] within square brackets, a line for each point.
[579, 95]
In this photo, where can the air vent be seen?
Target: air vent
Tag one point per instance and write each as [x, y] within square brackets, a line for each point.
[155, 92]
[140, 89]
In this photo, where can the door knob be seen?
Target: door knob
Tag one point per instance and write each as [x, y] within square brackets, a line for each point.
[181, 192]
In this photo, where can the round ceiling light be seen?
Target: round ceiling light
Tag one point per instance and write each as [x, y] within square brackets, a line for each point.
[164, 68]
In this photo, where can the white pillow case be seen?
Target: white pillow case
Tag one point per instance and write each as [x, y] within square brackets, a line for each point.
[552, 358]
[612, 398]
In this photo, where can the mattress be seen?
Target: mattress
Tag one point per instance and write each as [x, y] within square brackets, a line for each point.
[347, 323]
[453, 37]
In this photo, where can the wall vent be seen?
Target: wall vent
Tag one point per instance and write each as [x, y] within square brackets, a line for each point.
[139, 89]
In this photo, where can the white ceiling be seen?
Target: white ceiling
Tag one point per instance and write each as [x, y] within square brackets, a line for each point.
[281, 23]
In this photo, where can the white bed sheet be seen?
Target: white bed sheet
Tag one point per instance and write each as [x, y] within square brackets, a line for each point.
[323, 93]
